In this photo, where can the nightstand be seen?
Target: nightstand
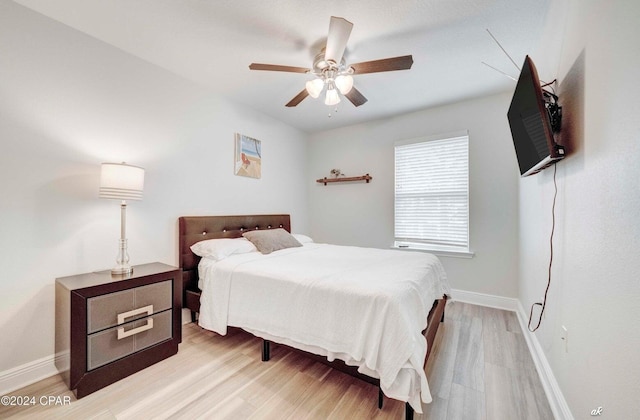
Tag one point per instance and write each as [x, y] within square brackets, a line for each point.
[110, 326]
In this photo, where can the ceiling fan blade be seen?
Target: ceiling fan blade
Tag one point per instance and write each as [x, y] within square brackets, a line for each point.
[275, 67]
[298, 98]
[356, 97]
[387, 64]
[339, 31]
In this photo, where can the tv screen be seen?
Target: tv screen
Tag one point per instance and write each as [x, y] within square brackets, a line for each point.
[530, 116]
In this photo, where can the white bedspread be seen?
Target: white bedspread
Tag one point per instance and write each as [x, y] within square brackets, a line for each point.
[362, 305]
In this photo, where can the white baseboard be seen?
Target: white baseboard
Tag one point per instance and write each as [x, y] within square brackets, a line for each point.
[481, 299]
[27, 374]
[558, 404]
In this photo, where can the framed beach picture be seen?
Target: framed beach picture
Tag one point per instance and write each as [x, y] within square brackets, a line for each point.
[248, 156]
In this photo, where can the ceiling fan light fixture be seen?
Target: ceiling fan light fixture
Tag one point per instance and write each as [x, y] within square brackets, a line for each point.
[331, 70]
[332, 97]
[314, 87]
[344, 83]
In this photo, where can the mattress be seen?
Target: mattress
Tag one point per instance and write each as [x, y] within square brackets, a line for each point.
[364, 306]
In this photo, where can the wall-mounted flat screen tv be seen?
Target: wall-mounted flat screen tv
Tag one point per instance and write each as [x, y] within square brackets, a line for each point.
[534, 115]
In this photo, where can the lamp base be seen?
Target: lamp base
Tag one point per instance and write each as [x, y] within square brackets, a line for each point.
[122, 261]
[120, 271]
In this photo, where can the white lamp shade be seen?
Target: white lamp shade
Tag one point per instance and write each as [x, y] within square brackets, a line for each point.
[314, 87]
[332, 97]
[121, 181]
[344, 83]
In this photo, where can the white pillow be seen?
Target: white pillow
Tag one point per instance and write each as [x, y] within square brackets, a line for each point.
[219, 249]
[303, 239]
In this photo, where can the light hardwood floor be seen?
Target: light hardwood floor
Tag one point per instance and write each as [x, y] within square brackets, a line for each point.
[480, 369]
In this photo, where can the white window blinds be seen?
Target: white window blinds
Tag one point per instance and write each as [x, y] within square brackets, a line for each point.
[432, 193]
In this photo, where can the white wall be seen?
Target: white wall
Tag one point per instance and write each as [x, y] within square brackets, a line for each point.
[362, 214]
[68, 103]
[595, 289]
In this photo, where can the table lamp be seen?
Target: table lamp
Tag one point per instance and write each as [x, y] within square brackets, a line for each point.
[124, 182]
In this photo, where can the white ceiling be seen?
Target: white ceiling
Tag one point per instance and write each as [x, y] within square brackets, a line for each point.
[212, 42]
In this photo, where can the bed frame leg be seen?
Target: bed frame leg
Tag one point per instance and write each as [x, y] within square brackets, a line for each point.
[408, 411]
[193, 316]
[380, 398]
[266, 350]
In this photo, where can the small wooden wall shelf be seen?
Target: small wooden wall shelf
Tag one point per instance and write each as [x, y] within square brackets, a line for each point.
[326, 180]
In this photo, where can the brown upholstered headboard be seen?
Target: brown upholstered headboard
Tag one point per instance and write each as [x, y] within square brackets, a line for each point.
[192, 229]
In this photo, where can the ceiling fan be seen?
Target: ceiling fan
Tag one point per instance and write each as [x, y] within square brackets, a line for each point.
[332, 72]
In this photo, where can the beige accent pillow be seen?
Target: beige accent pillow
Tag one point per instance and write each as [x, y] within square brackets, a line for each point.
[271, 240]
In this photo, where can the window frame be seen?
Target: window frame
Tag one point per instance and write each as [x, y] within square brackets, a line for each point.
[438, 249]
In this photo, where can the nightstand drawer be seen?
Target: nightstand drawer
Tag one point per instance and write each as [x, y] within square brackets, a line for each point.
[106, 346]
[103, 311]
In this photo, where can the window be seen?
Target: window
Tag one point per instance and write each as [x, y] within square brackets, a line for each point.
[432, 193]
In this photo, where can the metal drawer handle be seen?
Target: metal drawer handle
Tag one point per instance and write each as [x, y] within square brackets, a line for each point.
[123, 334]
[129, 314]
[121, 317]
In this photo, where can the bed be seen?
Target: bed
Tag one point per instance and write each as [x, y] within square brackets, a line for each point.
[397, 371]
